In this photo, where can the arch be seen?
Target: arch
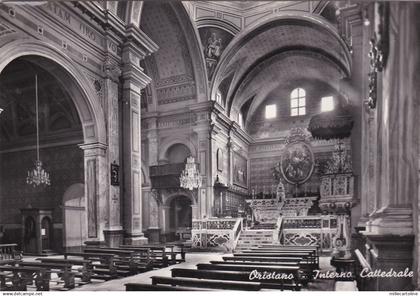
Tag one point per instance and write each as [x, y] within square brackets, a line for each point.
[297, 19]
[74, 195]
[171, 196]
[195, 73]
[88, 106]
[209, 22]
[166, 144]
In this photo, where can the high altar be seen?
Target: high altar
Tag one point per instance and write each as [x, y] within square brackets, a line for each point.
[295, 215]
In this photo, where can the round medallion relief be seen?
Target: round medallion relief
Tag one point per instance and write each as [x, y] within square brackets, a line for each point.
[297, 163]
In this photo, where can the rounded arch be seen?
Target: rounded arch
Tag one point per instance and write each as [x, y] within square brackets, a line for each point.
[174, 195]
[209, 22]
[168, 143]
[74, 195]
[194, 76]
[84, 97]
[302, 19]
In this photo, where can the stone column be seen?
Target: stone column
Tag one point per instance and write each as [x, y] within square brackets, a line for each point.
[96, 190]
[153, 155]
[113, 232]
[133, 81]
[164, 221]
[390, 230]
[204, 194]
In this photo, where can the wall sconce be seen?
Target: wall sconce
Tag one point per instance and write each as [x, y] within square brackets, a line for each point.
[1, 110]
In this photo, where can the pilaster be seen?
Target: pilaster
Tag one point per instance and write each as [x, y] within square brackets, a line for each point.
[96, 190]
[134, 80]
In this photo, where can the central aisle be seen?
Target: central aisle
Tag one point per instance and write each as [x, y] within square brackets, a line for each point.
[191, 260]
[118, 284]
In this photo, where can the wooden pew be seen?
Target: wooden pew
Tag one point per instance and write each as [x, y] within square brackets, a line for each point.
[212, 284]
[103, 264]
[164, 250]
[273, 283]
[20, 277]
[9, 251]
[314, 249]
[295, 270]
[282, 263]
[81, 268]
[308, 255]
[134, 260]
[157, 254]
[149, 287]
[263, 258]
[125, 261]
[63, 271]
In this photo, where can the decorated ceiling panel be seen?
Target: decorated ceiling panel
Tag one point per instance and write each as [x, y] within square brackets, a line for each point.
[171, 66]
[57, 113]
[214, 41]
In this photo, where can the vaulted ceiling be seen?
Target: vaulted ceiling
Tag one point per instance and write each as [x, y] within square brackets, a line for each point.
[278, 51]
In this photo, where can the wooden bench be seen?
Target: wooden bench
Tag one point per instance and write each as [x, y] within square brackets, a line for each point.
[149, 287]
[20, 277]
[294, 270]
[306, 255]
[103, 264]
[82, 268]
[157, 254]
[269, 283]
[212, 284]
[315, 250]
[63, 271]
[164, 250]
[250, 262]
[9, 251]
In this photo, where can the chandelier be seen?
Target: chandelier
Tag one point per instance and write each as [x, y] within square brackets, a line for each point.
[37, 175]
[190, 177]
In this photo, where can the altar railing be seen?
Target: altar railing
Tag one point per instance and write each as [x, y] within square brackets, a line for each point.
[310, 231]
[216, 233]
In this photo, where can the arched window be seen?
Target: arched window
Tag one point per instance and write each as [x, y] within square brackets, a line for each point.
[327, 104]
[241, 119]
[298, 102]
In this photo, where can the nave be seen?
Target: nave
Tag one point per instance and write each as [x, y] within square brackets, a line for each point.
[172, 267]
[135, 135]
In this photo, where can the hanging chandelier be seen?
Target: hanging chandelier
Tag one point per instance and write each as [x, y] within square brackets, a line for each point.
[37, 175]
[190, 177]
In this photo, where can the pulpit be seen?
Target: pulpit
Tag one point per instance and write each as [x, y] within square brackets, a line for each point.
[37, 231]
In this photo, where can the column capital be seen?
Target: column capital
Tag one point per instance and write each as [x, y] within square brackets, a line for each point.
[94, 149]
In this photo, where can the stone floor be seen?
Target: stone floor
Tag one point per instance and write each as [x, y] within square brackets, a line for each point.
[191, 260]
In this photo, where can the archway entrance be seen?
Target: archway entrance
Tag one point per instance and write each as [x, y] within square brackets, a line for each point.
[180, 218]
[62, 119]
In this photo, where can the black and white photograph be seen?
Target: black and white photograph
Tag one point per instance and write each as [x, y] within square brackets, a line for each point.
[227, 146]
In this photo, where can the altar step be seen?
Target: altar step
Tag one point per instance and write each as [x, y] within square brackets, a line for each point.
[254, 238]
[270, 226]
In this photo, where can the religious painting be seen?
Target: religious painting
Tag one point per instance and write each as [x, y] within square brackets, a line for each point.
[240, 174]
[214, 41]
[297, 163]
[115, 174]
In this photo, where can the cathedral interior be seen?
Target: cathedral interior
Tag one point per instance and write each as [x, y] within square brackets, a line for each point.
[171, 132]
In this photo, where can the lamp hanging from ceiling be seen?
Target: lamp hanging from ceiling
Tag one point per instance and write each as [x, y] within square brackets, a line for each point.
[190, 177]
[37, 176]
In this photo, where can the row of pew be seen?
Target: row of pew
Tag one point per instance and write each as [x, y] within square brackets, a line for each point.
[92, 263]
[266, 267]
